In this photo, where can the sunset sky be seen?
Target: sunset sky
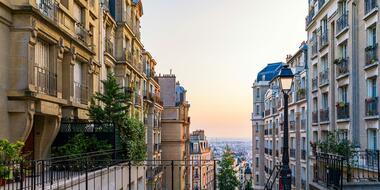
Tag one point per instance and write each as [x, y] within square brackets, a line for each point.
[216, 48]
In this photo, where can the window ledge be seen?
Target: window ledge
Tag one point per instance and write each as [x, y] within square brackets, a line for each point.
[324, 122]
[343, 120]
[325, 84]
[370, 13]
[342, 76]
[344, 30]
[367, 67]
[371, 117]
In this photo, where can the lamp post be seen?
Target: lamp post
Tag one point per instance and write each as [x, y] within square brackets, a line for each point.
[285, 78]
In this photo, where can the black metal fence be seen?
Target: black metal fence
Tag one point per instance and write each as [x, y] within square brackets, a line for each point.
[334, 171]
[98, 171]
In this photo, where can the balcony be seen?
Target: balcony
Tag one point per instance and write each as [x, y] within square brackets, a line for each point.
[303, 154]
[82, 33]
[342, 22]
[292, 153]
[341, 66]
[371, 106]
[303, 124]
[49, 9]
[371, 55]
[314, 83]
[127, 55]
[323, 39]
[343, 110]
[80, 93]
[324, 77]
[321, 3]
[45, 81]
[324, 115]
[370, 5]
[109, 46]
[315, 117]
[310, 16]
[301, 94]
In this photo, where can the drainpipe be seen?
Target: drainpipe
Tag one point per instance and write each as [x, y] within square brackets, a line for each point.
[308, 123]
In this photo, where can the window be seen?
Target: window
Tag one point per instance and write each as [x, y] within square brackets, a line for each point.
[292, 115]
[343, 50]
[257, 109]
[258, 93]
[325, 101]
[45, 77]
[257, 126]
[342, 7]
[371, 36]
[324, 26]
[257, 162]
[257, 144]
[324, 63]
[78, 83]
[303, 113]
[371, 87]
[372, 139]
[343, 94]
[78, 13]
[315, 104]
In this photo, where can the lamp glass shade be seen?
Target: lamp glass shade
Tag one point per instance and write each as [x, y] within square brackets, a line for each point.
[286, 83]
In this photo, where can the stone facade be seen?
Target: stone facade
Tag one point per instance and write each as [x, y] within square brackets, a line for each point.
[175, 138]
[202, 172]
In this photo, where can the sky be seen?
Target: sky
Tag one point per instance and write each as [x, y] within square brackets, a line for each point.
[216, 48]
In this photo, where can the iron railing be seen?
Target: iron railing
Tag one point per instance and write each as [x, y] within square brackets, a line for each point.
[343, 110]
[323, 39]
[45, 80]
[292, 124]
[328, 170]
[371, 106]
[82, 33]
[80, 93]
[370, 5]
[314, 45]
[310, 16]
[98, 171]
[324, 115]
[292, 153]
[341, 66]
[320, 3]
[303, 124]
[49, 8]
[301, 94]
[342, 22]
[272, 177]
[371, 55]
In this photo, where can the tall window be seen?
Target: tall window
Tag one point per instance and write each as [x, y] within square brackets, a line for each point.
[343, 94]
[324, 26]
[372, 87]
[315, 104]
[292, 116]
[303, 113]
[325, 101]
[343, 50]
[372, 139]
[342, 7]
[371, 36]
[257, 109]
[257, 92]
[324, 63]
[44, 69]
[257, 126]
[78, 83]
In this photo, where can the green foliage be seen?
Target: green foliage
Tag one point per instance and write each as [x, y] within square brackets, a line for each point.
[133, 138]
[248, 185]
[81, 144]
[9, 152]
[112, 106]
[227, 176]
[335, 145]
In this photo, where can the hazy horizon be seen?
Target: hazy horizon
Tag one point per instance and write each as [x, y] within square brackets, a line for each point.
[216, 47]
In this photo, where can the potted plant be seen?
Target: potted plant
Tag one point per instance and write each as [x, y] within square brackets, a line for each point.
[9, 153]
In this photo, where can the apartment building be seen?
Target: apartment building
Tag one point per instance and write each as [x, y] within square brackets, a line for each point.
[342, 36]
[202, 170]
[175, 137]
[50, 64]
[259, 88]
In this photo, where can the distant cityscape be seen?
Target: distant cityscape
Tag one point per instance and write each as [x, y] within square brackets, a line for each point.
[242, 147]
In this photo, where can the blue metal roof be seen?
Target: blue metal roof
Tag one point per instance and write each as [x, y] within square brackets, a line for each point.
[269, 72]
[135, 2]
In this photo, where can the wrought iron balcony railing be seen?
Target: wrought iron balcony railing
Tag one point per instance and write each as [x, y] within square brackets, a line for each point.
[323, 39]
[82, 33]
[343, 110]
[49, 8]
[109, 46]
[324, 115]
[341, 66]
[314, 45]
[371, 55]
[320, 3]
[301, 94]
[372, 106]
[370, 5]
[292, 124]
[45, 81]
[342, 22]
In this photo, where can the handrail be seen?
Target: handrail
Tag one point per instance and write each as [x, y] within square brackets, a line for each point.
[269, 184]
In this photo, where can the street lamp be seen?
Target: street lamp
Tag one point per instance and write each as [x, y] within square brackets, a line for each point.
[285, 78]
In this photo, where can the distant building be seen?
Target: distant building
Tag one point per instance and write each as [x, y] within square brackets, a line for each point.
[175, 139]
[202, 173]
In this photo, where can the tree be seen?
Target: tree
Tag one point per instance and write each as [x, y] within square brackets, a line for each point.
[112, 106]
[335, 145]
[248, 185]
[227, 178]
